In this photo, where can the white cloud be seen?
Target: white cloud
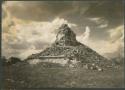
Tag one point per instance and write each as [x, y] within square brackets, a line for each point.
[21, 33]
[101, 22]
[117, 33]
[84, 38]
[103, 25]
[26, 36]
[94, 19]
[114, 45]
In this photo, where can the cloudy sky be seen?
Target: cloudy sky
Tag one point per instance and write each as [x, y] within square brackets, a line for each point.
[30, 26]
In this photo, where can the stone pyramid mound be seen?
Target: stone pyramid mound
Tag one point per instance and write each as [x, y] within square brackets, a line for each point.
[67, 46]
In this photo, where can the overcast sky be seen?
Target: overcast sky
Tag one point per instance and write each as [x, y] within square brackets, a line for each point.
[30, 26]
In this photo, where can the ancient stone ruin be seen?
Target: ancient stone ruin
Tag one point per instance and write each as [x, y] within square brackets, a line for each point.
[67, 49]
[66, 37]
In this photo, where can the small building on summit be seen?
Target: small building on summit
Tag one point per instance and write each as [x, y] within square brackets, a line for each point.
[66, 48]
[65, 36]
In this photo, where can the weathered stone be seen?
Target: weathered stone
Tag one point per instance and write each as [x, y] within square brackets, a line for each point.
[65, 36]
[66, 45]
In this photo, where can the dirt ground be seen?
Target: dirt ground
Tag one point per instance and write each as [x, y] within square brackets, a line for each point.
[23, 75]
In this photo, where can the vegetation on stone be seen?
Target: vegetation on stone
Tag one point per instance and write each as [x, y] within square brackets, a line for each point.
[66, 45]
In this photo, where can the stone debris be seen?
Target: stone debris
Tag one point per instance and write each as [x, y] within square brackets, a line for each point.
[66, 45]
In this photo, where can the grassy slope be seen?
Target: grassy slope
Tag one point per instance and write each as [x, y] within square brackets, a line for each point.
[24, 75]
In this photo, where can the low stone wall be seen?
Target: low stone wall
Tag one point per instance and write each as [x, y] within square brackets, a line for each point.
[60, 61]
[52, 57]
[57, 60]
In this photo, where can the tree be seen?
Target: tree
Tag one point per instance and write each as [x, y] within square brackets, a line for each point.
[13, 60]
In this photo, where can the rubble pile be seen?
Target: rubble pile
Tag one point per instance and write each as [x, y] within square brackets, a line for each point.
[66, 45]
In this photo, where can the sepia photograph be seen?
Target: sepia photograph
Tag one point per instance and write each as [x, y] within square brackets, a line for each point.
[62, 44]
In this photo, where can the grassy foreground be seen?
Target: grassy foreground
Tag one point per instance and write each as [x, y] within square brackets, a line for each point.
[23, 75]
